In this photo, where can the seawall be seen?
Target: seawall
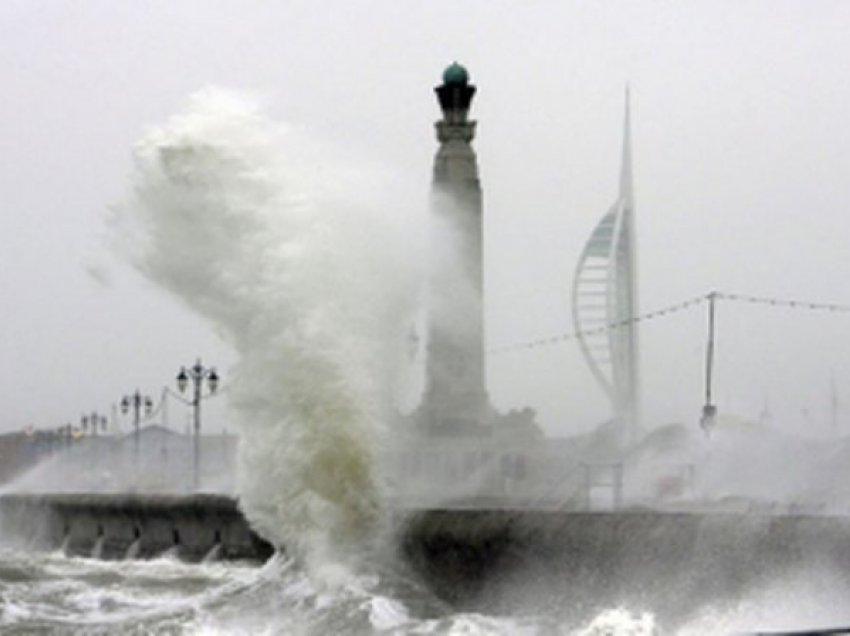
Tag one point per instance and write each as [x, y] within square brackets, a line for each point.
[521, 561]
[110, 526]
[478, 559]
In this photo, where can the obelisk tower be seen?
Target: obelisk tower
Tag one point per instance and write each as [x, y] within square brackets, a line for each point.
[455, 400]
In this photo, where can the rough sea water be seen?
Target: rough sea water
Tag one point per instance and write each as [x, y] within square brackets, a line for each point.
[309, 270]
[54, 594]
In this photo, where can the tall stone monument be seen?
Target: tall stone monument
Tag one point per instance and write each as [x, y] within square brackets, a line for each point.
[455, 400]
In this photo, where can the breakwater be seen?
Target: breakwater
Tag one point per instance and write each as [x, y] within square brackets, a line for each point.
[143, 526]
[531, 560]
[501, 560]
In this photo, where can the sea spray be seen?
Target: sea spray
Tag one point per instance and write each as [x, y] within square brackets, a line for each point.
[308, 276]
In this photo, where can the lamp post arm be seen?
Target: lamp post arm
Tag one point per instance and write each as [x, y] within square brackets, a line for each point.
[177, 396]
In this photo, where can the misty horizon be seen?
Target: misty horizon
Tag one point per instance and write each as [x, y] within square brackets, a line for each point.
[738, 145]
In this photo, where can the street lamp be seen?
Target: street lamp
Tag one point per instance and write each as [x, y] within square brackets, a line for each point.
[95, 420]
[137, 402]
[197, 374]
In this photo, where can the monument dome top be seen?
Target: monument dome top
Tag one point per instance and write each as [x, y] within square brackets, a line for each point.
[455, 74]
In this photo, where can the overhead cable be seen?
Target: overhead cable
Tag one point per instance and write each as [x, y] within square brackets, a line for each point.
[672, 309]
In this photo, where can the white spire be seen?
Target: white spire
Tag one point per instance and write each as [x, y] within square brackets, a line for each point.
[626, 165]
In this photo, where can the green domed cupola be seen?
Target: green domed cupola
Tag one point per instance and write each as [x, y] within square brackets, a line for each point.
[455, 74]
[455, 93]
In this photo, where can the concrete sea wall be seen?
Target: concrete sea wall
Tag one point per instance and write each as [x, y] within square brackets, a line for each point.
[515, 561]
[113, 526]
[491, 560]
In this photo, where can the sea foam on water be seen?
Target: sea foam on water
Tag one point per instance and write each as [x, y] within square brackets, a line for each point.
[308, 270]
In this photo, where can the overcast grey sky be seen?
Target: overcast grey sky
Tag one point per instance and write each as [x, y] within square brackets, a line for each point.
[741, 139]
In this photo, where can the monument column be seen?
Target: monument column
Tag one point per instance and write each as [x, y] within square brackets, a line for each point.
[455, 392]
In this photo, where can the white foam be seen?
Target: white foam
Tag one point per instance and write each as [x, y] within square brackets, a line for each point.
[386, 613]
[619, 622]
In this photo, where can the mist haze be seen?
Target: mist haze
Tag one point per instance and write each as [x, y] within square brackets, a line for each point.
[739, 138]
[249, 184]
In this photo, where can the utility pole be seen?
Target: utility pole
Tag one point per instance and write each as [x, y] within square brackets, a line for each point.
[709, 410]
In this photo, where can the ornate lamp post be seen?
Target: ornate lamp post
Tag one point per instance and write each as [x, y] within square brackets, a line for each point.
[197, 374]
[94, 420]
[136, 402]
